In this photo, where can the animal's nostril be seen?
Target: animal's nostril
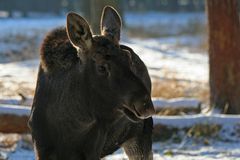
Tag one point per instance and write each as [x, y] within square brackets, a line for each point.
[147, 101]
[149, 107]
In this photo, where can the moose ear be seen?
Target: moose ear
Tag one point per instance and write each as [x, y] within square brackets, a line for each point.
[78, 31]
[111, 24]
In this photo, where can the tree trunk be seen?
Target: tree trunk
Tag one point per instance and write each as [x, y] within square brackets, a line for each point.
[224, 55]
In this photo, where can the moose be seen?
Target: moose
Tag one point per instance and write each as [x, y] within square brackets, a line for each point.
[92, 94]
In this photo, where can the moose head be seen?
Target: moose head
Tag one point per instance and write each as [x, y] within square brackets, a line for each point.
[106, 67]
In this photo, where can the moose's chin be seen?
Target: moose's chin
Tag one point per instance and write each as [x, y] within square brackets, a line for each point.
[132, 115]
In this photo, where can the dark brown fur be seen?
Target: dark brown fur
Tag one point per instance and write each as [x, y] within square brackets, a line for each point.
[57, 51]
[78, 111]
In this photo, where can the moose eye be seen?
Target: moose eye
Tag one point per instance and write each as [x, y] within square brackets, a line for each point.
[102, 69]
[107, 57]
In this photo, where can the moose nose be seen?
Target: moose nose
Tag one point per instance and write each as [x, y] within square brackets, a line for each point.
[145, 108]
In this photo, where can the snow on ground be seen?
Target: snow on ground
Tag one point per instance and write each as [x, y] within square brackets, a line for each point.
[13, 26]
[23, 71]
[173, 21]
[176, 103]
[187, 150]
[162, 59]
[171, 151]
[162, 18]
[165, 23]
[18, 77]
[191, 151]
[181, 122]
[15, 110]
[222, 146]
[164, 62]
[220, 151]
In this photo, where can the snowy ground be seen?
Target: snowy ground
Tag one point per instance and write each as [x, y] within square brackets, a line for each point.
[20, 39]
[163, 57]
[221, 145]
[168, 151]
[162, 63]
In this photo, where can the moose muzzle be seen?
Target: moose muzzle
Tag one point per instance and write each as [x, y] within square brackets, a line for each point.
[140, 108]
[143, 109]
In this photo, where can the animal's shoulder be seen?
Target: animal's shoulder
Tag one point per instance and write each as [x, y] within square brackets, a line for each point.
[56, 51]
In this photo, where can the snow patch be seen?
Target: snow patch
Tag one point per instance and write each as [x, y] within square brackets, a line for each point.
[164, 62]
[191, 120]
[15, 110]
[176, 103]
[14, 26]
[162, 18]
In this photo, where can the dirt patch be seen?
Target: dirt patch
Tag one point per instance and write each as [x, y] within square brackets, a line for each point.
[16, 89]
[173, 88]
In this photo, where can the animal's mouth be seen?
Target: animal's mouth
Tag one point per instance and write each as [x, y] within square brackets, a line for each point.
[132, 114]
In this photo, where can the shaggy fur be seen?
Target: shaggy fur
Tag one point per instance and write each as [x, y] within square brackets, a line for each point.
[89, 104]
[57, 52]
